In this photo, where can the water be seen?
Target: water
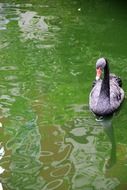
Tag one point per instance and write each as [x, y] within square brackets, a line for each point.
[49, 140]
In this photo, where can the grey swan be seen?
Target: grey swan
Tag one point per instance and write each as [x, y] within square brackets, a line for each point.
[107, 94]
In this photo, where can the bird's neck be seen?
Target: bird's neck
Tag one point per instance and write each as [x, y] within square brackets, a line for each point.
[105, 87]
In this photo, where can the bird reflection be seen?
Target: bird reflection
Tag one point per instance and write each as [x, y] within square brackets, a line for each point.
[108, 128]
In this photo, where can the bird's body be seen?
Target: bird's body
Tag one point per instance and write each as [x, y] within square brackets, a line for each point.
[106, 95]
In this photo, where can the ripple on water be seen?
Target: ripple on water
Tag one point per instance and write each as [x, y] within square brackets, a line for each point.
[7, 98]
[53, 184]
[79, 131]
[3, 22]
[78, 107]
[2, 152]
[62, 170]
[4, 44]
[8, 68]
[80, 181]
[46, 153]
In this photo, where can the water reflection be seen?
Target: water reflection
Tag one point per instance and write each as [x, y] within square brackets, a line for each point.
[42, 29]
[32, 25]
[10, 89]
[55, 154]
[109, 129]
[50, 144]
[3, 20]
[117, 161]
[88, 156]
[25, 152]
[2, 153]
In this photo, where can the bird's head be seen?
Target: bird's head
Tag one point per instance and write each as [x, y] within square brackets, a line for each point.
[100, 65]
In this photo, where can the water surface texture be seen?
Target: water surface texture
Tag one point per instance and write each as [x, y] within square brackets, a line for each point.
[49, 140]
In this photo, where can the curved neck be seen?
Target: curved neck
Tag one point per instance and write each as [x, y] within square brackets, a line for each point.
[105, 87]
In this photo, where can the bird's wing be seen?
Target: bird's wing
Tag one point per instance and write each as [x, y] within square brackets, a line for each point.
[95, 92]
[116, 94]
[117, 79]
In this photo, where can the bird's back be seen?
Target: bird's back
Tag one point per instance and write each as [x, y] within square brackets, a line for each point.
[102, 105]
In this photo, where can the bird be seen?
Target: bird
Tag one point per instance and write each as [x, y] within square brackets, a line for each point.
[107, 94]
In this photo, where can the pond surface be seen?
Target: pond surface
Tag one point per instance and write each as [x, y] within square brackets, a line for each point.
[49, 140]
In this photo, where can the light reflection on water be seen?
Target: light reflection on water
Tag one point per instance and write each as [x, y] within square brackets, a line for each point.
[50, 140]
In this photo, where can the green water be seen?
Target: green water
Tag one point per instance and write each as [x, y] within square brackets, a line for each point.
[49, 140]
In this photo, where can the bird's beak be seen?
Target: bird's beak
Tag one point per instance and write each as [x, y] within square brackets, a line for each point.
[98, 73]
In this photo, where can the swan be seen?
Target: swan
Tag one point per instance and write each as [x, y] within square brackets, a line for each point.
[107, 94]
